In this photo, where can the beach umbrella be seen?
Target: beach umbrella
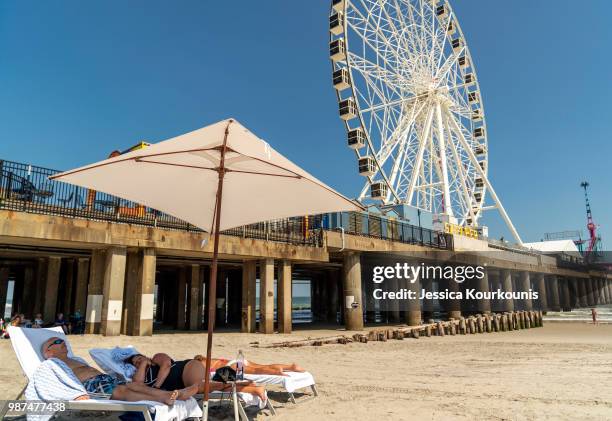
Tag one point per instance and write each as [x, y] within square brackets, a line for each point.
[219, 177]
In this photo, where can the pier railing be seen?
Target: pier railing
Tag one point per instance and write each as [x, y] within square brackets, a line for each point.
[27, 188]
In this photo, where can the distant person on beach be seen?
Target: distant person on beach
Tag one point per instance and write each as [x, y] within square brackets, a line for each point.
[63, 323]
[38, 321]
[594, 315]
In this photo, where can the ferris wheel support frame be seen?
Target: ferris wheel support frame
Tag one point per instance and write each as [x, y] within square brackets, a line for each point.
[485, 179]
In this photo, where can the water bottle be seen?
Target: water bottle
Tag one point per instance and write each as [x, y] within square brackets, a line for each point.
[240, 365]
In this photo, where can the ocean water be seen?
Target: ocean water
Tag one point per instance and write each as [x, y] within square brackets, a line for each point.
[604, 314]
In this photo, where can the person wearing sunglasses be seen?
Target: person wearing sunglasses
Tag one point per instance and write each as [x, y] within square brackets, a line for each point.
[96, 382]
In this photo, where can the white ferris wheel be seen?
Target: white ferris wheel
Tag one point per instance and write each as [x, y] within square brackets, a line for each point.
[410, 99]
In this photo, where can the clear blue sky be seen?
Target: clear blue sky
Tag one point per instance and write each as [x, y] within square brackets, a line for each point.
[79, 79]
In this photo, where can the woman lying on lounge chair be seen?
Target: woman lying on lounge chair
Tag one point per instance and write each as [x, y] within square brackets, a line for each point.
[163, 372]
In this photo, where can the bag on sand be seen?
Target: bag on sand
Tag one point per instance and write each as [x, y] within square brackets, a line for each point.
[224, 375]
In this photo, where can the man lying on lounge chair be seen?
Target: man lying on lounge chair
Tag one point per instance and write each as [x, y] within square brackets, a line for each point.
[96, 382]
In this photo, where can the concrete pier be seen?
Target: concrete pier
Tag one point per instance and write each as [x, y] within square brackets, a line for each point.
[196, 298]
[139, 290]
[506, 286]
[52, 278]
[93, 312]
[249, 288]
[284, 297]
[484, 306]
[565, 294]
[525, 286]
[413, 313]
[540, 286]
[4, 281]
[553, 289]
[351, 286]
[266, 296]
[112, 299]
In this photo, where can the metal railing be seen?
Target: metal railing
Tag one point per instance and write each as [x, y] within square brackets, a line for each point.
[370, 225]
[27, 188]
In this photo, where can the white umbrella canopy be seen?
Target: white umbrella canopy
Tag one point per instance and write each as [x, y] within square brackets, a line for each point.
[179, 176]
[224, 163]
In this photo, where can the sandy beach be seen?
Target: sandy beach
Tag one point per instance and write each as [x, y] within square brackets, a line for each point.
[561, 372]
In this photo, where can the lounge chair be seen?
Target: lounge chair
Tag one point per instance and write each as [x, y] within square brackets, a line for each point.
[27, 343]
[104, 359]
[291, 383]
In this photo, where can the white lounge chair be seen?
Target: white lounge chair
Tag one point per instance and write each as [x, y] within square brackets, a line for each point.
[292, 382]
[27, 344]
[104, 358]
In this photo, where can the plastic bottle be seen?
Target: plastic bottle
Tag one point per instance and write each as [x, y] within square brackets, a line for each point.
[240, 365]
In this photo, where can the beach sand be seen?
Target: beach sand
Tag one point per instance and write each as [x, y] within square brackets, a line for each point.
[560, 372]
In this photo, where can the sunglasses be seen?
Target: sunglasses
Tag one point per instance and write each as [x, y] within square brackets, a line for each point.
[55, 342]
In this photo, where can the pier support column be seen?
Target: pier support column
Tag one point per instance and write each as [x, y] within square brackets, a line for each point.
[553, 287]
[393, 305]
[525, 286]
[332, 296]
[39, 291]
[112, 299]
[80, 289]
[69, 287]
[573, 293]
[196, 299]
[453, 307]
[606, 290]
[413, 313]
[283, 288]
[600, 295]
[565, 294]
[506, 286]
[93, 311]
[4, 281]
[29, 285]
[266, 296]
[583, 293]
[484, 305]
[590, 296]
[609, 287]
[351, 289]
[249, 291]
[181, 298]
[540, 286]
[52, 279]
[139, 292]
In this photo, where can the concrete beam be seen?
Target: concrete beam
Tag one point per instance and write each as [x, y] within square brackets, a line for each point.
[266, 296]
[51, 288]
[351, 286]
[112, 300]
[249, 291]
[284, 297]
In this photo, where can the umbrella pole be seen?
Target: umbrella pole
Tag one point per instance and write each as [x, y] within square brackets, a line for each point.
[212, 289]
